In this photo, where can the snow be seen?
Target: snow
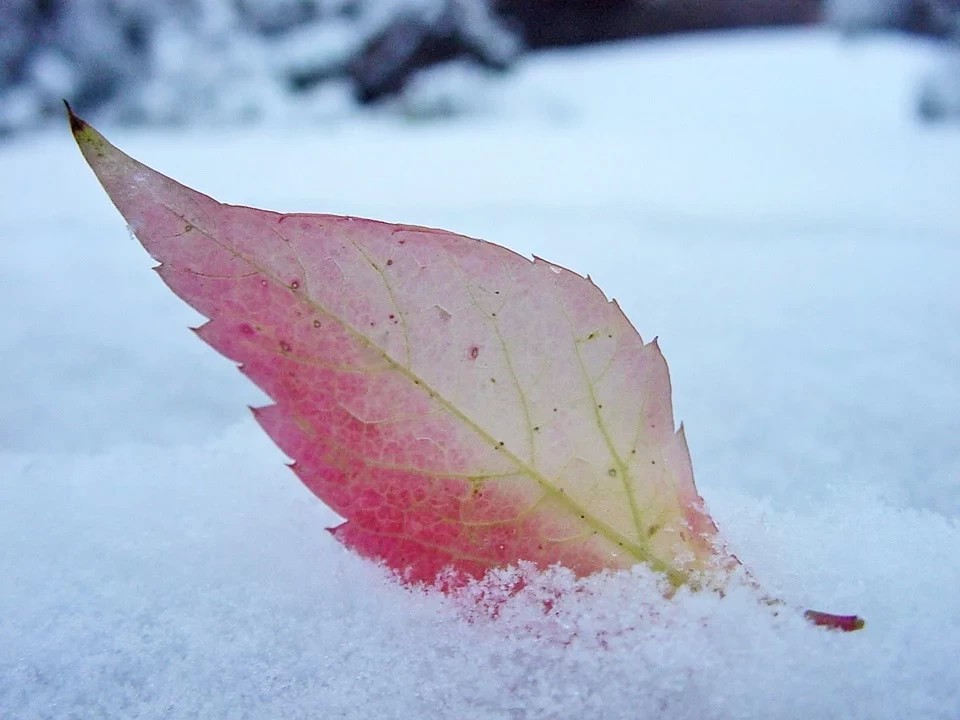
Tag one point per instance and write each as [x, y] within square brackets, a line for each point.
[766, 204]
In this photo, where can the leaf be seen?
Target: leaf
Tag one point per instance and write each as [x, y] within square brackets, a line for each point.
[461, 406]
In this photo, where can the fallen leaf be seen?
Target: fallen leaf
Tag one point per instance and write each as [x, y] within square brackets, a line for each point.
[463, 407]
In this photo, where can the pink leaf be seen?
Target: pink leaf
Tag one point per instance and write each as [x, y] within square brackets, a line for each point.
[461, 406]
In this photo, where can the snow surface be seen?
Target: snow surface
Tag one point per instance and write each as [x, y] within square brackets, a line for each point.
[766, 204]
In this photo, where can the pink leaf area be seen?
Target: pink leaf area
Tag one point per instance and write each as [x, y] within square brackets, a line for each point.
[461, 406]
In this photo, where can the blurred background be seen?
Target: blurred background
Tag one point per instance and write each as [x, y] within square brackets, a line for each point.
[304, 61]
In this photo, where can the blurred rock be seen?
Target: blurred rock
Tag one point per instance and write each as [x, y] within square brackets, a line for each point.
[456, 29]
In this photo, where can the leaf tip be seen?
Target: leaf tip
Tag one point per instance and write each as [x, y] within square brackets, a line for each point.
[82, 131]
[92, 144]
[77, 124]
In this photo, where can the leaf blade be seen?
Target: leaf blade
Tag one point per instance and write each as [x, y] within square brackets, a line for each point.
[434, 389]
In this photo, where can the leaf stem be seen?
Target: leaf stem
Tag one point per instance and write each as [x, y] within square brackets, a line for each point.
[846, 623]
